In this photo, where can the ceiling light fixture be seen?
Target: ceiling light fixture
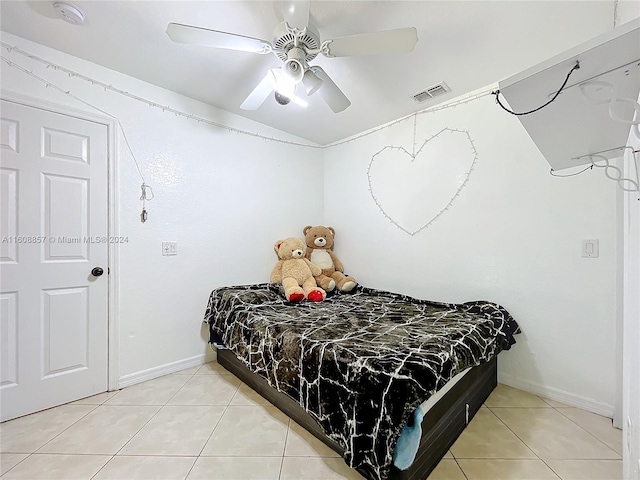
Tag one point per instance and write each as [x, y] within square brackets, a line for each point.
[69, 13]
[285, 100]
[295, 65]
[285, 88]
[311, 82]
[281, 99]
[285, 84]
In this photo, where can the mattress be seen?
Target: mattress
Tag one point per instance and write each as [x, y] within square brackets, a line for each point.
[358, 363]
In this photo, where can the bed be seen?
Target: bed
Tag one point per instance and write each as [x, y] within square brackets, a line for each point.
[354, 368]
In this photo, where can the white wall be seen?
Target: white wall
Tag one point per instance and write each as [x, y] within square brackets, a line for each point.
[224, 197]
[513, 236]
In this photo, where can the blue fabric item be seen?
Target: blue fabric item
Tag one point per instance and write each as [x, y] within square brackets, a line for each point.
[409, 441]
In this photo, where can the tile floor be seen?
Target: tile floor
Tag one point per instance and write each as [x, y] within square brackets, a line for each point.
[203, 423]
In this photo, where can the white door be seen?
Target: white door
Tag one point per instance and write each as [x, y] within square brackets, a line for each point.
[53, 345]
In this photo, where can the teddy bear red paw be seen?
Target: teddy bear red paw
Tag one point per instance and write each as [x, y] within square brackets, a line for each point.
[296, 297]
[315, 296]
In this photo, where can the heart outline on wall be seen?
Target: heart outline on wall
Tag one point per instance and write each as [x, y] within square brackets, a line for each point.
[396, 201]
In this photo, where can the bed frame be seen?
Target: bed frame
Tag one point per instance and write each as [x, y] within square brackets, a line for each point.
[441, 426]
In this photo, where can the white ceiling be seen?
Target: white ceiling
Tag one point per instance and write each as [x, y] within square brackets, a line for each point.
[467, 44]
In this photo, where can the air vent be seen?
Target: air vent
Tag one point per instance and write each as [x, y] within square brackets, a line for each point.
[434, 91]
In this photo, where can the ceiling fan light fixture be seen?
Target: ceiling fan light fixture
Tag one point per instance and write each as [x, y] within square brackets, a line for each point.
[294, 69]
[285, 84]
[311, 82]
[285, 89]
[281, 99]
[284, 100]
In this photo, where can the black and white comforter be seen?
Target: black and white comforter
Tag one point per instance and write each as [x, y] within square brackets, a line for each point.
[361, 362]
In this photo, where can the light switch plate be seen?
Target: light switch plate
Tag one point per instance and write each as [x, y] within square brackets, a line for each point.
[169, 248]
[590, 248]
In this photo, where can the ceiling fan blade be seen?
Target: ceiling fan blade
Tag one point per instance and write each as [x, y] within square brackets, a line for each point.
[296, 13]
[213, 38]
[261, 92]
[400, 40]
[330, 92]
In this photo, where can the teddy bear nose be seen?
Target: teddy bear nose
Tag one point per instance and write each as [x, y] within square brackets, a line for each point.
[297, 253]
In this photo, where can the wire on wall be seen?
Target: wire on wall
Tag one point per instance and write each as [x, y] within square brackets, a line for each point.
[590, 167]
[626, 184]
[146, 190]
[189, 116]
[147, 195]
[164, 108]
[68, 92]
[564, 84]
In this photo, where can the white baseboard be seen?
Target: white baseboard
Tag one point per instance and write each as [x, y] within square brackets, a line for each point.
[173, 367]
[558, 395]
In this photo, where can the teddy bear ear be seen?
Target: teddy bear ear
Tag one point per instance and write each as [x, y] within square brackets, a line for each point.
[333, 232]
[276, 247]
[306, 229]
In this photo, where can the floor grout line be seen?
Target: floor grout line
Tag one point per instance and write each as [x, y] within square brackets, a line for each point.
[27, 455]
[284, 449]
[514, 433]
[195, 460]
[65, 429]
[593, 435]
[537, 456]
[219, 420]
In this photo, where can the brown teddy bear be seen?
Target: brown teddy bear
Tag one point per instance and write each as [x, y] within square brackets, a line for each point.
[319, 241]
[295, 272]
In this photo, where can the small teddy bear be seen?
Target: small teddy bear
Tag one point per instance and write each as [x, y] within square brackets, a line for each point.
[319, 241]
[295, 272]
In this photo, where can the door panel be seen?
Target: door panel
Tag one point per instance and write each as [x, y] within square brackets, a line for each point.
[54, 228]
[9, 339]
[65, 323]
[65, 145]
[65, 210]
[9, 214]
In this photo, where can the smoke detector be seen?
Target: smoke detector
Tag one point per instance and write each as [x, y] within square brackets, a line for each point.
[69, 13]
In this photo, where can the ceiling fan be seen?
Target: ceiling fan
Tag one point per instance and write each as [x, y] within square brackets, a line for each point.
[296, 42]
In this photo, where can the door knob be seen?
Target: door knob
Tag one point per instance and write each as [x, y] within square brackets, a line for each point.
[97, 271]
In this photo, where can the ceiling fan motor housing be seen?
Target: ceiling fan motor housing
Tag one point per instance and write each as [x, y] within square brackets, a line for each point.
[283, 40]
